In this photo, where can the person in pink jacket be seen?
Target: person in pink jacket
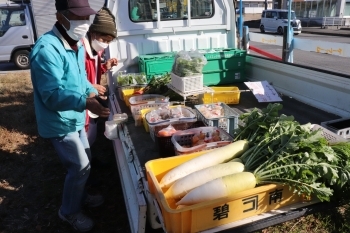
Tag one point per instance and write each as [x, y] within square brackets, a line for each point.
[101, 32]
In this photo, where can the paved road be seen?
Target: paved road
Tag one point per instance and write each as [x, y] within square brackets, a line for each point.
[345, 32]
[312, 59]
[318, 60]
[331, 35]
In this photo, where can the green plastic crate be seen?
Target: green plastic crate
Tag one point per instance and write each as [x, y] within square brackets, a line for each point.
[219, 77]
[156, 64]
[224, 59]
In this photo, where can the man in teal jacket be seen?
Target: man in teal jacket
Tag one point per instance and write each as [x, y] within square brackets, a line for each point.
[62, 94]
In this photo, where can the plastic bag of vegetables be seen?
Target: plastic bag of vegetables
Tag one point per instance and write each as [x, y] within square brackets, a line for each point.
[187, 63]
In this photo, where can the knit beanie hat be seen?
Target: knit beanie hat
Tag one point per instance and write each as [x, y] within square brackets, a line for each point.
[104, 22]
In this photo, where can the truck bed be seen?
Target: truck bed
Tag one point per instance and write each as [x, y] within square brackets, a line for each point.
[147, 149]
[135, 146]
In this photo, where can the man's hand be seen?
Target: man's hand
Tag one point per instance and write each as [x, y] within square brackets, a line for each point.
[111, 62]
[95, 107]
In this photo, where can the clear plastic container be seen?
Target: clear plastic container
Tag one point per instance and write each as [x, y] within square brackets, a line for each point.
[186, 115]
[213, 137]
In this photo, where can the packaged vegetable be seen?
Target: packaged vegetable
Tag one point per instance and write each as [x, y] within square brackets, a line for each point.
[140, 78]
[166, 114]
[188, 63]
[211, 110]
[167, 132]
[124, 78]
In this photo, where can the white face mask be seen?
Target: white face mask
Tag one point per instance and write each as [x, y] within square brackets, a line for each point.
[77, 29]
[98, 45]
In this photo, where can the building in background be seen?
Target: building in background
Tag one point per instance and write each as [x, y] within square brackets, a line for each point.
[310, 12]
[302, 8]
[319, 8]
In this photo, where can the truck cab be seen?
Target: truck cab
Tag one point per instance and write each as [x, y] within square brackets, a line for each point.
[210, 24]
[16, 33]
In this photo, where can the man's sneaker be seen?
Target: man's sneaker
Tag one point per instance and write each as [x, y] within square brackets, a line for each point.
[94, 200]
[79, 221]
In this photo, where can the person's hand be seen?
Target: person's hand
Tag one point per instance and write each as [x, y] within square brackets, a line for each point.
[111, 62]
[100, 89]
[95, 107]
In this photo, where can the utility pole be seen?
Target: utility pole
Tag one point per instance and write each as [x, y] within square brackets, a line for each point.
[265, 4]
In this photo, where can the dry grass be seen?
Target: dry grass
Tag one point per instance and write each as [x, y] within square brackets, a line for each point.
[31, 176]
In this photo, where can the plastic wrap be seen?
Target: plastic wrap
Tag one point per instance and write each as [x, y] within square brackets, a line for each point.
[188, 63]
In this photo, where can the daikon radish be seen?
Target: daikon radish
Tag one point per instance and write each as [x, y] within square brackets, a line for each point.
[236, 160]
[182, 186]
[219, 188]
[213, 157]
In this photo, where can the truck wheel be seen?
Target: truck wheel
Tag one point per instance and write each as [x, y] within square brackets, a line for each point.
[280, 30]
[262, 28]
[21, 59]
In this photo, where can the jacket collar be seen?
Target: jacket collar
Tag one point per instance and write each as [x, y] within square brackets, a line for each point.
[87, 46]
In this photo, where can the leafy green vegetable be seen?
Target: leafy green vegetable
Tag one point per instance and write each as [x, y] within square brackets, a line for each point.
[283, 151]
[342, 149]
[342, 189]
[188, 63]
[130, 79]
[124, 79]
[158, 85]
[140, 78]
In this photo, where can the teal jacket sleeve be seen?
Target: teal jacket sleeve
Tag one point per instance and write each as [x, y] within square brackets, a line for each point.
[61, 78]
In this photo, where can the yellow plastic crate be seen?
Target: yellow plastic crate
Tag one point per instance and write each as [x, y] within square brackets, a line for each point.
[227, 95]
[128, 91]
[206, 215]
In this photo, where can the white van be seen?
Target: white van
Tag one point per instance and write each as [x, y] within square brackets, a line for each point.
[274, 21]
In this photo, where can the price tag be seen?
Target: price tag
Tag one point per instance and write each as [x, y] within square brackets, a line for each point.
[263, 91]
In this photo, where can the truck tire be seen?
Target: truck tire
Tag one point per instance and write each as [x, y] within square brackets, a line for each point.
[21, 59]
[262, 29]
[280, 30]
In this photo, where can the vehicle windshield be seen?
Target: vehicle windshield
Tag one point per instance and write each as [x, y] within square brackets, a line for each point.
[146, 10]
[284, 15]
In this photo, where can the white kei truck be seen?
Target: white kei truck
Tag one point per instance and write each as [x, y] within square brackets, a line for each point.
[309, 94]
[22, 22]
